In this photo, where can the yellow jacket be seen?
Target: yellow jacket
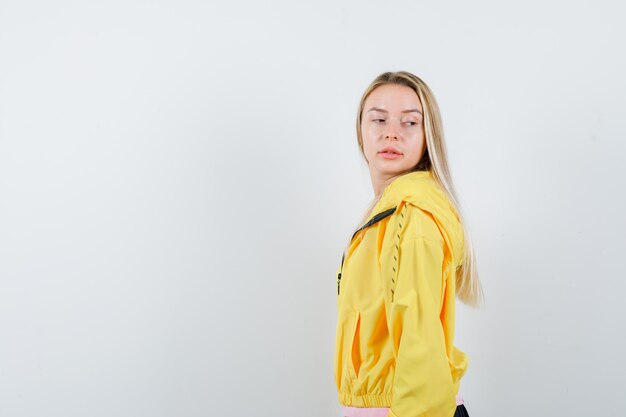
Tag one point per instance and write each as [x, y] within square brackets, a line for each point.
[396, 304]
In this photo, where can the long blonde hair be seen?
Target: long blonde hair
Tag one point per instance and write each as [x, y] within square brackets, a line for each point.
[468, 287]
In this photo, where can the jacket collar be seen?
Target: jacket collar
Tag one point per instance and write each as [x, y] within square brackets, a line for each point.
[405, 187]
[398, 190]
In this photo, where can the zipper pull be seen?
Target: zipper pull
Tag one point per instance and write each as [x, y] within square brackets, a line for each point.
[343, 255]
[338, 282]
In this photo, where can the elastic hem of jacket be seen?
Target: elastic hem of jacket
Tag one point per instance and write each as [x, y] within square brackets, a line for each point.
[369, 400]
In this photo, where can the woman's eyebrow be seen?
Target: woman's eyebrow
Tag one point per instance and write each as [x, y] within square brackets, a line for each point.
[403, 111]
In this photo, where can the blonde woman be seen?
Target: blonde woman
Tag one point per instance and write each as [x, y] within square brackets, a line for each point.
[404, 265]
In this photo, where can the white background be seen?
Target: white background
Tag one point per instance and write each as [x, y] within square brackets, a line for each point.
[177, 180]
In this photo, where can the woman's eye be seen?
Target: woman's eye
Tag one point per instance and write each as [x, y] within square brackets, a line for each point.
[382, 120]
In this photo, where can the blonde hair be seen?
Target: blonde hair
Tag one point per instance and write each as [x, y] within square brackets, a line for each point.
[468, 287]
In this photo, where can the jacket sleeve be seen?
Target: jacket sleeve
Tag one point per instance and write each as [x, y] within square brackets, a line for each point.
[422, 384]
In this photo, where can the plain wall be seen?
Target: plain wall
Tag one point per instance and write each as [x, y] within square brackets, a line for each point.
[177, 181]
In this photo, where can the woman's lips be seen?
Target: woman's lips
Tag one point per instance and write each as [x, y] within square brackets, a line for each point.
[390, 155]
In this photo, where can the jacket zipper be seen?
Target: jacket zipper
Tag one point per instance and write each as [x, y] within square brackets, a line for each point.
[339, 275]
[378, 217]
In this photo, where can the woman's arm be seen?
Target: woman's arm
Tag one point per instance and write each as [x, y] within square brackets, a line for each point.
[423, 384]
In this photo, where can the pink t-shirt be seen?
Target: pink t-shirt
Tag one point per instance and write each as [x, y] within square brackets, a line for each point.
[349, 411]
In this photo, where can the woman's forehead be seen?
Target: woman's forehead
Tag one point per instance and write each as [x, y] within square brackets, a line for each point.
[393, 99]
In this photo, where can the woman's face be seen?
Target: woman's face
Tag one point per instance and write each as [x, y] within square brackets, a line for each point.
[392, 117]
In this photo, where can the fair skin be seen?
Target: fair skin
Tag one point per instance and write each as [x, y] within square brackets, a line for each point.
[392, 117]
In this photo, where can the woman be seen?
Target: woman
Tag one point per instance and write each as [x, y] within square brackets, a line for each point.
[403, 266]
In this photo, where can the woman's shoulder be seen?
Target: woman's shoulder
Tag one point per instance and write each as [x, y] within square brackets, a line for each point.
[432, 217]
[418, 222]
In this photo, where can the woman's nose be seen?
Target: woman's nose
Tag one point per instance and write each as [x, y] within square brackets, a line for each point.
[392, 131]
[391, 134]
